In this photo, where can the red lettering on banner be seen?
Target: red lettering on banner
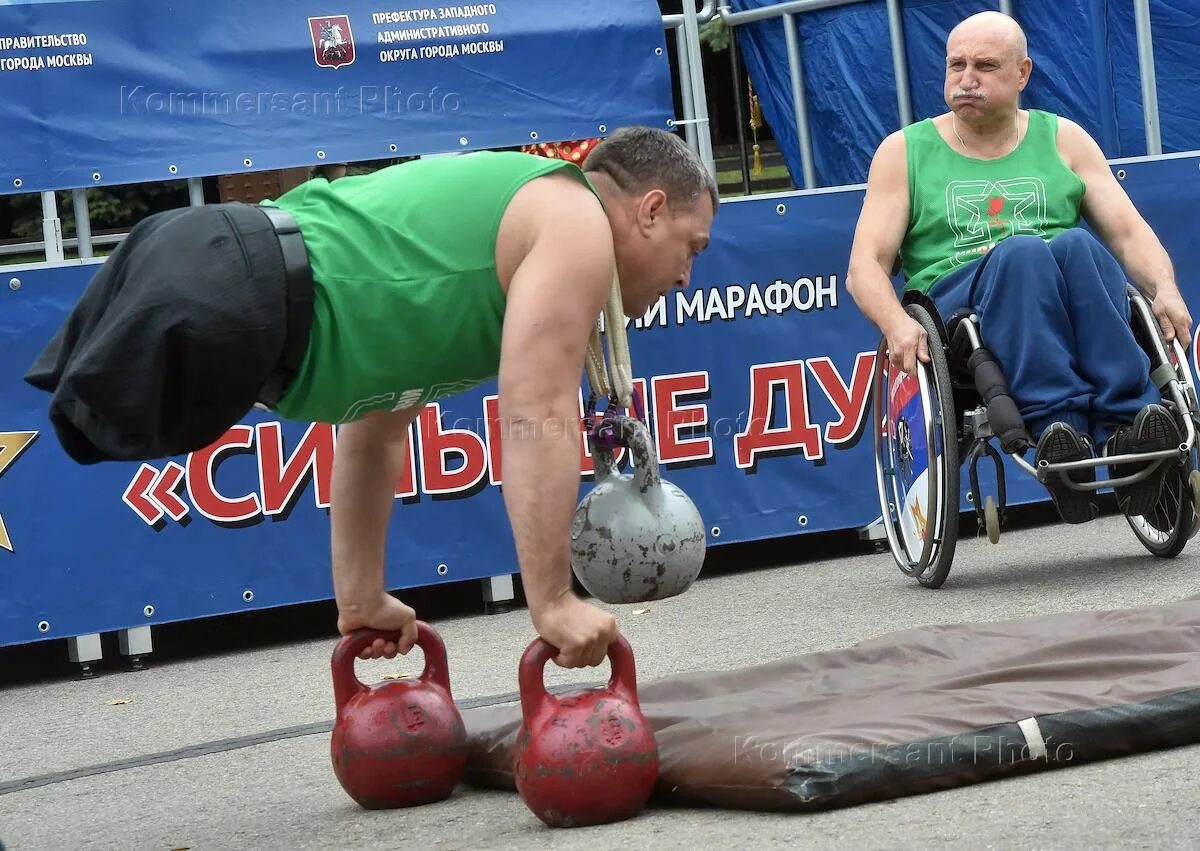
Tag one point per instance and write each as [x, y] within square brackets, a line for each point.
[494, 431]
[799, 433]
[491, 431]
[201, 479]
[437, 443]
[586, 468]
[669, 418]
[281, 481]
[851, 403]
[151, 494]
[407, 486]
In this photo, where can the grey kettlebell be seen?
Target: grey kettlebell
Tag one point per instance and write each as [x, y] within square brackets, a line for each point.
[635, 537]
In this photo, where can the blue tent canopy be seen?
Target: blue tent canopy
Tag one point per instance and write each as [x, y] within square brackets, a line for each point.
[1085, 68]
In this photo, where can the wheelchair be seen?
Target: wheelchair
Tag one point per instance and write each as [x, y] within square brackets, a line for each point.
[949, 414]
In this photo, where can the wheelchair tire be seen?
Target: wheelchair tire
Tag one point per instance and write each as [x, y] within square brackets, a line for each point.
[1165, 531]
[922, 542]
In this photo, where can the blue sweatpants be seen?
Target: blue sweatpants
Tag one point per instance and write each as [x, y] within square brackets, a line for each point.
[1056, 316]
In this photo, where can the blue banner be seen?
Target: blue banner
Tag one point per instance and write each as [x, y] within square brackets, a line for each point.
[123, 91]
[755, 383]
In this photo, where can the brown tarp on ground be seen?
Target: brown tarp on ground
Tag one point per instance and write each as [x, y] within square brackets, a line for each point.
[911, 712]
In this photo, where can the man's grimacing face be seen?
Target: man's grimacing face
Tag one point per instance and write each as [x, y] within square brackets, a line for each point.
[658, 253]
[984, 73]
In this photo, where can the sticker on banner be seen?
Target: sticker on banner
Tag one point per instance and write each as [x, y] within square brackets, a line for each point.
[332, 40]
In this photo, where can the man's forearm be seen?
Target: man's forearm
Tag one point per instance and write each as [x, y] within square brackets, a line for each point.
[365, 473]
[541, 488]
[875, 295]
[1145, 260]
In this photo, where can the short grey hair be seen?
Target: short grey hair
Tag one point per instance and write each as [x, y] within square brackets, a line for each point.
[639, 159]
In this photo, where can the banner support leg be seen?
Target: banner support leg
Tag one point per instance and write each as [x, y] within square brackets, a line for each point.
[135, 643]
[499, 595]
[85, 651]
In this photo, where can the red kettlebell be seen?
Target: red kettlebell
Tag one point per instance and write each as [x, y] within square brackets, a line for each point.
[587, 757]
[399, 743]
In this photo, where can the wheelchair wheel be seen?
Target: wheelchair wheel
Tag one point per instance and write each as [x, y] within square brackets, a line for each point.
[916, 458]
[1166, 530]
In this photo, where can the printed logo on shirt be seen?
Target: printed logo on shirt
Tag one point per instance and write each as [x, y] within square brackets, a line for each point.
[412, 398]
[983, 212]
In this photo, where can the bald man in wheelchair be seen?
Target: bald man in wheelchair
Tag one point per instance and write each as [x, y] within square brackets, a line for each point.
[981, 208]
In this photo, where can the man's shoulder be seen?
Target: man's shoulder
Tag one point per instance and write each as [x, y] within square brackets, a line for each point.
[559, 192]
[1065, 128]
[891, 156]
[1074, 143]
[560, 206]
[895, 145]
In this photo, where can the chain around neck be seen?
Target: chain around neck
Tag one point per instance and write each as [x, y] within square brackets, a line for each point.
[1017, 122]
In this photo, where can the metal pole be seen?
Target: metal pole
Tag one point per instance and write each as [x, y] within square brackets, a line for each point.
[83, 224]
[1110, 138]
[1006, 7]
[685, 88]
[196, 191]
[899, 62]
[707, 13]
[795, 64]
[739, 113]
[1141, 10]
[792, 7]
[699, 93]
[52, 228]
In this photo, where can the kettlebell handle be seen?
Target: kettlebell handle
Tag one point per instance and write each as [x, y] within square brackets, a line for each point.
[636, 436]
[632, 434]
[622, 682]
[346, 683]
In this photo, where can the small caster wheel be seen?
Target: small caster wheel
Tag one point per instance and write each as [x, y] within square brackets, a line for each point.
[87, 671]
[991, 519]
[135, 663]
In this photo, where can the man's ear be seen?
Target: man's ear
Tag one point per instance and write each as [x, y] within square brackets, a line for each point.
[651, 208]
[1026, 73]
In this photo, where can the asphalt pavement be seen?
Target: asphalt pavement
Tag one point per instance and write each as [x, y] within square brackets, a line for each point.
[223, 741]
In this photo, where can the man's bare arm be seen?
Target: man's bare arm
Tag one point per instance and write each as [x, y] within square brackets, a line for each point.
[554, 299]
[1115, 219]
[1111, 213]
[877, 239]
[366, 467]
[879, 233]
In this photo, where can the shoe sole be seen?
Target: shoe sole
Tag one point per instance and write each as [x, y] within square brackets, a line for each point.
[1073, 506]
[1158, 428]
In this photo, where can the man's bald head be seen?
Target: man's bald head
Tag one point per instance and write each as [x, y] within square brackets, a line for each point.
[987, 68]
[992, 26]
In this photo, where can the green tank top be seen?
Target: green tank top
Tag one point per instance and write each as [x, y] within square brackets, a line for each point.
[407, 303]
[962, 207]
